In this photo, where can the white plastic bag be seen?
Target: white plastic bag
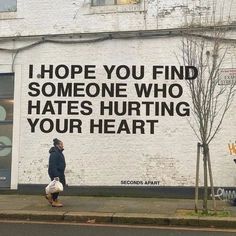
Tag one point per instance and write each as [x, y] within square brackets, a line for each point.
[54, 187]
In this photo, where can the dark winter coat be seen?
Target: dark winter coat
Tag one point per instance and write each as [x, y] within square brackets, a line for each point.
[57, 164]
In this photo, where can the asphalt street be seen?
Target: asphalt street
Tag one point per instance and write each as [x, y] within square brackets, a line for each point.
[9, 228]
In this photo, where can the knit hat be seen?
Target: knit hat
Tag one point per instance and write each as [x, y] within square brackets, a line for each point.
[56, 141]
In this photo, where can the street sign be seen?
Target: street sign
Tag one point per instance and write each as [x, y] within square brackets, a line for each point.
[227, 76]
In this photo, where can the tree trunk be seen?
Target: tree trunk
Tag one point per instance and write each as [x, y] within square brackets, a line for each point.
[205, 196]
[197, 177]
[211, 181]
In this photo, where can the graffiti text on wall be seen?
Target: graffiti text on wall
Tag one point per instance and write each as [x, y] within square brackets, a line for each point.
[232, 148]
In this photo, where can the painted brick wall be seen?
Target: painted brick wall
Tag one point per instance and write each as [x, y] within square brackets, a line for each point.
[76, 16]
[169, 155]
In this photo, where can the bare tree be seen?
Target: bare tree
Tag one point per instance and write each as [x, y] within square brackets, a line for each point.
[206, 48]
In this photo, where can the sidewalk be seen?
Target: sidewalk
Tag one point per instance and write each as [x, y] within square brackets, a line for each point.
[116, 210]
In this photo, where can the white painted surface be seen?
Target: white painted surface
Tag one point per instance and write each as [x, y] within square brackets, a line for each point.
[168, 156]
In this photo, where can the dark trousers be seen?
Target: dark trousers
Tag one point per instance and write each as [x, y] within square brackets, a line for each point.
[55, 196]
[63, 181]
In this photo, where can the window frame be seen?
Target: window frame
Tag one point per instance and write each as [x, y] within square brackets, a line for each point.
[115, 3]
[7, 69]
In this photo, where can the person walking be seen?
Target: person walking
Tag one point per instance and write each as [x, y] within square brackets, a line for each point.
[56, 169]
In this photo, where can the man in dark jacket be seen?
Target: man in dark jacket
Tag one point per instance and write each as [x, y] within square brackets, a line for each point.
[56, 169]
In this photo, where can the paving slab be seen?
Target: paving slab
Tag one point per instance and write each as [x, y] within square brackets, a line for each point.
[112, 210]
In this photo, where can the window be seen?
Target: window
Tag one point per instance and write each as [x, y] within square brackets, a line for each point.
[7, 5]
[113, 2]
[6, 127]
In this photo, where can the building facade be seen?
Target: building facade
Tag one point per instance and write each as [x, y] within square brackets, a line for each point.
[106, 78]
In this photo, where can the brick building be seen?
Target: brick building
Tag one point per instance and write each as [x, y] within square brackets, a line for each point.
[75, 71]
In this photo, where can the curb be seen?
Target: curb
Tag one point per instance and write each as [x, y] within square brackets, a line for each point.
[31, 215]
[119, 218]
[88, 217]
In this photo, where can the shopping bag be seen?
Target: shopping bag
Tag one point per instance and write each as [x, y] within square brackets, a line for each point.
[54, 186]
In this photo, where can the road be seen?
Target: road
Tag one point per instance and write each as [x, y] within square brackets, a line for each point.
[13, 228]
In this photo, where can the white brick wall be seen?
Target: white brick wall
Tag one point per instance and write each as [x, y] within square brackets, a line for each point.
[106, 159]
[169, 155]
[76, 16]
